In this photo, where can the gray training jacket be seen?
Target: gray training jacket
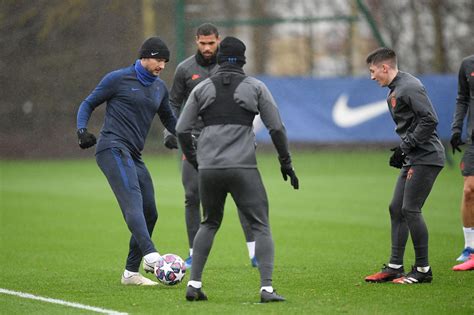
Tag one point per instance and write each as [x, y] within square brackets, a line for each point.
[232, 145]
[465, 98]
[415, 120]
[189, 73]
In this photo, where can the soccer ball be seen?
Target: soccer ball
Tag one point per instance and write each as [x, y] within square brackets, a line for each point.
[170, 269]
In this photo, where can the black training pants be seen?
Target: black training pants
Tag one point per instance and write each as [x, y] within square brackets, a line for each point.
[246, 188]
[413, 187]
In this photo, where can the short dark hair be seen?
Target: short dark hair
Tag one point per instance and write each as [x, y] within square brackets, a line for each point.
[382, 54]
[207, 29]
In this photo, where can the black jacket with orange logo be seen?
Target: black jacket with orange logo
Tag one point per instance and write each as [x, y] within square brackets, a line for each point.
[465, 99]
[415, 120]
[189, 73]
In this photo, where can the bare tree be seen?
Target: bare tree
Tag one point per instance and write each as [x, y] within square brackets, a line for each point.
[439, 58]
[260, 35]
[416, 33]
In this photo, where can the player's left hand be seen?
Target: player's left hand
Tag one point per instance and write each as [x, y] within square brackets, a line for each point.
[288, 170]
[398, 157]
[456, 142]
[170, 142]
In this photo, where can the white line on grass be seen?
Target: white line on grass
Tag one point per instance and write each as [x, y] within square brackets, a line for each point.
[61, 302]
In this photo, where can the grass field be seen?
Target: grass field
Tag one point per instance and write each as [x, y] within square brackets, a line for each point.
[63, 237]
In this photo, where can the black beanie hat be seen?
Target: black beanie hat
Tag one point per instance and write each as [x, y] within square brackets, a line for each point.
[231, 50]
[154, 47]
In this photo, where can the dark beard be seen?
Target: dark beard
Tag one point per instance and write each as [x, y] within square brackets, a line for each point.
[202, 61]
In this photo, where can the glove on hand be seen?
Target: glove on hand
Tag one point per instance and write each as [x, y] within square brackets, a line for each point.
[398, 157]
[170, 142]
[287, 170]
[85, 138]
[456, 142]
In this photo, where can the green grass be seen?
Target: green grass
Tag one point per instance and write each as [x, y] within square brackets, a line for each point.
[63, 237]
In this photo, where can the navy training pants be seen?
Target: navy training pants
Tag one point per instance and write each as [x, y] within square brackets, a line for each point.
[132, 185]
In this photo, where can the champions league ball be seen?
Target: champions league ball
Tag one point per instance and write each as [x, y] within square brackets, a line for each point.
[170, 269]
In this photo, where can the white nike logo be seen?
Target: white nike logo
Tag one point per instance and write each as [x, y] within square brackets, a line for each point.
[153, 54]
[346, 117]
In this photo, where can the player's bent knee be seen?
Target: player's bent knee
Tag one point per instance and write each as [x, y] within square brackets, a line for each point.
[395, 211]
[468, 189]
[211, 225]
[411, 213]
[152, 218]
[191, 201]
[468, 192]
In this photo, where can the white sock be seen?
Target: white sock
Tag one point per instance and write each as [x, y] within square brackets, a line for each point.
[152, 257]
[128, 274]
[191, 252]
[395, 266]
[423, 269]
[195, 284]
[468, 237]
[251, 248]
[269, 289]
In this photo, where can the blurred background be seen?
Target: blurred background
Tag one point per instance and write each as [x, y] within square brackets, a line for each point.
[310, 53]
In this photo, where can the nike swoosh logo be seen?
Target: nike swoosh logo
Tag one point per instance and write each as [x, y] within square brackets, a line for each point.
[346, 117]
[153, 54]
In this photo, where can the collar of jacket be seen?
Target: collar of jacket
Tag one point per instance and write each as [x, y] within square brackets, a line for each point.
[203, 61]
[392, 84]
[230, 67]
[145, 77]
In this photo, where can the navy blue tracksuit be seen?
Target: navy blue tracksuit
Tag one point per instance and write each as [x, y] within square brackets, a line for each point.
[131, 107]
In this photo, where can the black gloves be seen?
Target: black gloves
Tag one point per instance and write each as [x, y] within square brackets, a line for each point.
[85, 139]
[398, 157]
[287, 170]
[187, 142]
[456, 142]
[170, 141]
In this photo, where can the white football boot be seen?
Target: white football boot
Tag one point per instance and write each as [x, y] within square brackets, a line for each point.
[137, 279]
[149, 262]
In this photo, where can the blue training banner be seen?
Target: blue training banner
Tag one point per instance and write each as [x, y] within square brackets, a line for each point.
[348, 109]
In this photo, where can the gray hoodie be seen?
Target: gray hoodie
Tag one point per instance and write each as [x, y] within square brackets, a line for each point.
[232, 145]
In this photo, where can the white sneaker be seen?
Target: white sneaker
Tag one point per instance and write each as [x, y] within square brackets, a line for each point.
[137, 279]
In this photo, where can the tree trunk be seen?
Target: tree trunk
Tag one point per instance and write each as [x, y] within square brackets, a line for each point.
[439, 57]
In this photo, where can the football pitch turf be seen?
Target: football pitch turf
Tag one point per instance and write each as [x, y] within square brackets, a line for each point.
[63, 237]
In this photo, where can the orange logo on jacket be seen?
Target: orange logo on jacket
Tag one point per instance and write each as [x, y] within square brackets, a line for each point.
[410, 173]
[195, 77]
[393, 101]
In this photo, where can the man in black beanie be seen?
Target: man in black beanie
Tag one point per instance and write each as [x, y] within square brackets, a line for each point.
[155, 48]
[227, 103]
[232, 51]
[134, 95]
[189, 73]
